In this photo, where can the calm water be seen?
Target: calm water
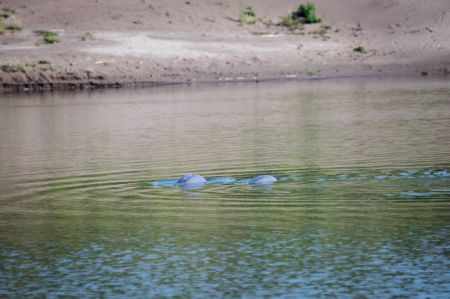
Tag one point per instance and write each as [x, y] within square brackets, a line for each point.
[364, 210]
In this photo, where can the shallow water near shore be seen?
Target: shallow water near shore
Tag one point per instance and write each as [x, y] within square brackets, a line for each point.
[362, 209]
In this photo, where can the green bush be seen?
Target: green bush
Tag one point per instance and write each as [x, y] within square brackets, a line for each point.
[247, 15]
[305, 14]
[360, 49]
[2, 28]
[48, 36]
[307, 11]
[86, 36]
[250, 11]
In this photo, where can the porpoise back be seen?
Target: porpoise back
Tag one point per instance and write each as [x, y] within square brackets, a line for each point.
[263, 179]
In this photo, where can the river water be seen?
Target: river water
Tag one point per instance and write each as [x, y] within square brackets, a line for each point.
[362, 210]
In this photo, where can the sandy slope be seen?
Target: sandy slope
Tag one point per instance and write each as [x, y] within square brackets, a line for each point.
[172, 41]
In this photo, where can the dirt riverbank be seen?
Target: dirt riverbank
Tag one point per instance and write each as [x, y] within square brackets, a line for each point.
[109, 43]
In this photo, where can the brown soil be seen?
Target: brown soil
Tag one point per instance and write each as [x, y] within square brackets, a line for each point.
[155, 42]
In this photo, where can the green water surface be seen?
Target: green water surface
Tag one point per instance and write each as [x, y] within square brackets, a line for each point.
[363, 209]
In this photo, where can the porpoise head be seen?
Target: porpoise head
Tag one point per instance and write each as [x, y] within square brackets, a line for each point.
[191, 179]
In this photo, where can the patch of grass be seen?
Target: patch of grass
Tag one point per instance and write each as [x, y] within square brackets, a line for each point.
[48, 36]
[223, 3]
[13, 26]
[247, 15]
[307, 12]
[6, 12]
[317, 32]
[86, 36]
[12, 67]
[322, 32]
[268, 21]
[259, 33]
[45, 64]
[241, 13]
[44, 61]
[251, 22]
[288, 21]
[292, 23]
[360, 49]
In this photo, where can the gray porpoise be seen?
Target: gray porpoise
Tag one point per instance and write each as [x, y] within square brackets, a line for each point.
[263, 179]
[191, 179]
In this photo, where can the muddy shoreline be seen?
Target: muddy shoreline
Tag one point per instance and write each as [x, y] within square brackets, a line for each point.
[102, 45]
[81, 85]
